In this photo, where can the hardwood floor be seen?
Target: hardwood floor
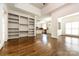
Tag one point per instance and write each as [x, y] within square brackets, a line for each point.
[41, 45]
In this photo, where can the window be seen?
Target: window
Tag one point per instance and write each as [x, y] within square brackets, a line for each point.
[72, 28]
[68, 28]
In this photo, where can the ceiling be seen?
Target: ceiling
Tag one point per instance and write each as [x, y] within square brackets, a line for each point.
[39, 5]
[45, 9]
[11, 6]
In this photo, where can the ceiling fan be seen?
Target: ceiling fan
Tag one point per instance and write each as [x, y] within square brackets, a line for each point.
[44, 3]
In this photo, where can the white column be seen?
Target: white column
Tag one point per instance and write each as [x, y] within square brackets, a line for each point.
[3, 25]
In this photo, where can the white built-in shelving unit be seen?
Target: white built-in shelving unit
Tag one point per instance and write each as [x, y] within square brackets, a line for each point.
[31, 27]
[20, 26]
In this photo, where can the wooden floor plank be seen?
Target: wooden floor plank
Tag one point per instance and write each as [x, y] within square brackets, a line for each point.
[41, 45]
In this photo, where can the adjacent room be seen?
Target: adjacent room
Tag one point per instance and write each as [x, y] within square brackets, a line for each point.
[39, 29]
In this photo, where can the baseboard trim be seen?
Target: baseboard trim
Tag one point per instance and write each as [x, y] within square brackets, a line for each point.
[54, 37]
[2, 45]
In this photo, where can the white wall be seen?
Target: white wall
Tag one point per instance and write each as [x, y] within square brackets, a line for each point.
[71, 18]
[29, 8]
[49, 25]
[66, 10]
[74, 18]
[3, 24]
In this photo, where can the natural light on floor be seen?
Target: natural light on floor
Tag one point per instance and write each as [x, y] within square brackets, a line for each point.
[44, 38]
[72, 43]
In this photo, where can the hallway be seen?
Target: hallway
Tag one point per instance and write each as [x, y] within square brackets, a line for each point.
[42, 45]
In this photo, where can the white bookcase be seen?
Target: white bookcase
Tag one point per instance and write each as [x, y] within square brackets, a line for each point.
[31, 26]
[13, 26]
[20, 26]
[23, 26]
